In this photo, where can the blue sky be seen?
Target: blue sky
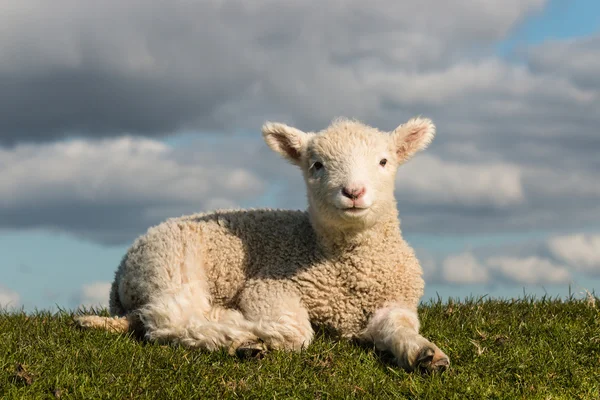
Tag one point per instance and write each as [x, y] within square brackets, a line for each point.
[560, 19]
[47, 266]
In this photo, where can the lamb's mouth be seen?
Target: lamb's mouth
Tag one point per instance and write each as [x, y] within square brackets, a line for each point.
[355, 210]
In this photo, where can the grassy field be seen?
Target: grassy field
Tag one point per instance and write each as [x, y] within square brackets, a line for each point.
[500, 349]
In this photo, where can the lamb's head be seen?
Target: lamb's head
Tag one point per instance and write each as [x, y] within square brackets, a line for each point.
[350, 168]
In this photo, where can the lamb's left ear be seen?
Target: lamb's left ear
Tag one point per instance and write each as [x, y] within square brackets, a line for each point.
[412, 137]
[285, 140]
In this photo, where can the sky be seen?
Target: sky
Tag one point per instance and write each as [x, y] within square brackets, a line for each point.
[116, 115]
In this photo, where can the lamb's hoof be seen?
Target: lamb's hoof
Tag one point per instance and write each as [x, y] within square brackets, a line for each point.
[85, 321]
[431, 359]
[251, 350]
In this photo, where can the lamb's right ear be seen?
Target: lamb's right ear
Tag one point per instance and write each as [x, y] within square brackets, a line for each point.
[285, 140]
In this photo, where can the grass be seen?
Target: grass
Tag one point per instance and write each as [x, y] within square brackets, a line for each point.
[500, 349]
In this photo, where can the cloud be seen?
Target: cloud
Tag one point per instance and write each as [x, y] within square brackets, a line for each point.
[466, 268]
[463, 268]
[529, 270]
[517, 136]
[94, 294]
[427, 179]
[111, 190]
[578, 59]
[582, 251]
[444, 195]
[153, 68]
[9, 298]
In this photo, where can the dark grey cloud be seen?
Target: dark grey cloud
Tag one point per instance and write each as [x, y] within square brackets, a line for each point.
[67, 102]
[154, 68]
[577, 59]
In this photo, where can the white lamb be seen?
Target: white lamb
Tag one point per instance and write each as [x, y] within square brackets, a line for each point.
[260, 279]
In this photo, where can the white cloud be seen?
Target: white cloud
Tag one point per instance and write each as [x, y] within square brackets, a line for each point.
[466, 268]
[9, 298]
[529, 270]
[463, 268]
[94, 294]
[111, 189]
[123, 169]
[430, 179]
[580, 250]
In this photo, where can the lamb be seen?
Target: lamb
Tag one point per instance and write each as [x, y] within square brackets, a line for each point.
[261, 279]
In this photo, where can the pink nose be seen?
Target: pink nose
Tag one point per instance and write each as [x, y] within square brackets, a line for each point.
[354, 192]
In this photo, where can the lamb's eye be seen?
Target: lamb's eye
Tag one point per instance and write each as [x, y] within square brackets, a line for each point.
[317, 166]
[383, 162]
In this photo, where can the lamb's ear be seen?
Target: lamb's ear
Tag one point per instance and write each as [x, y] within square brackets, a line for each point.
[285, 140]
[412, 137]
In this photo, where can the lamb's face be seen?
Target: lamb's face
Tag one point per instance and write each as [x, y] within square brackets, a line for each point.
[349, 171]
[349, 168]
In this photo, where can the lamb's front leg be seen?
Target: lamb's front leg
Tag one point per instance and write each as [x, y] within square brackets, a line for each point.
[396, 329]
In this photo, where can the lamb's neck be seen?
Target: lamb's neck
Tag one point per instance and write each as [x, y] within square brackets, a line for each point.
[381, 235]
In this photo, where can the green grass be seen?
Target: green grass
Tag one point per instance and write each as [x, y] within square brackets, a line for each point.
[500, 349]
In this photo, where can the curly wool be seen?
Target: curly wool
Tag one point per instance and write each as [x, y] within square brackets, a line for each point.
[250, 253]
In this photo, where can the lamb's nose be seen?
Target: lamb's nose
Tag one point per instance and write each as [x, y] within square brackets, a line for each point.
[354, 193]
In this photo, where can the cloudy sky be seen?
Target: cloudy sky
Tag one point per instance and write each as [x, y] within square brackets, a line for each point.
[115, 115]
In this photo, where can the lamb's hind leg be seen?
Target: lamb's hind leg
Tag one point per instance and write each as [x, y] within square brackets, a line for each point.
[396, 329]
[183, 315]
[111, 324]
[280, 321]
[119, 322]
[186, 317]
